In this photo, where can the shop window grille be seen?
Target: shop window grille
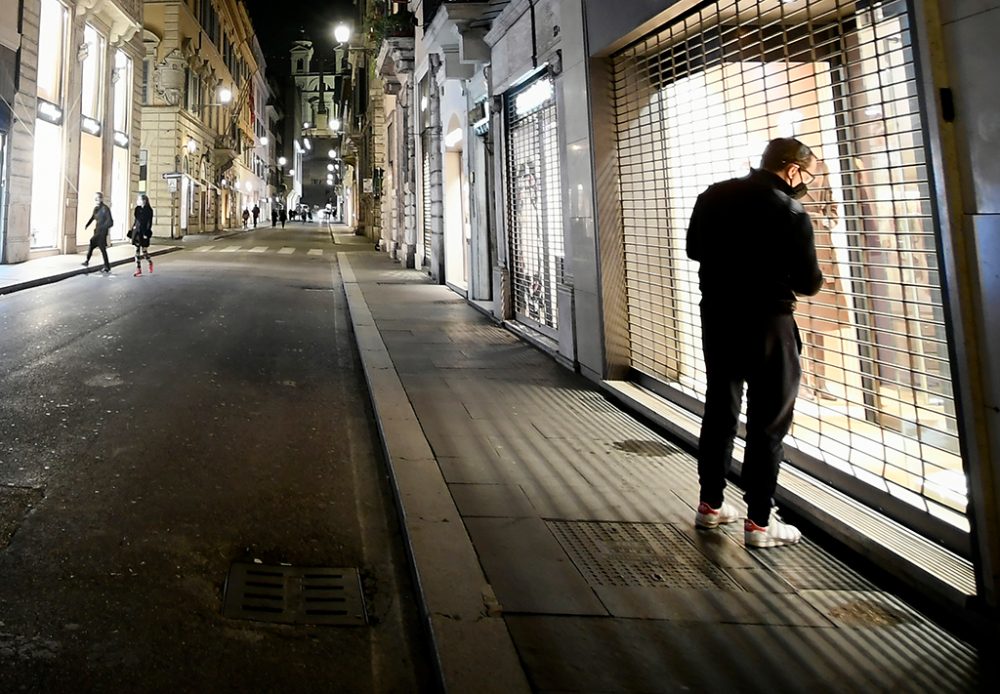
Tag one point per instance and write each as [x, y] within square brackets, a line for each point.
[534, 203]
[426, 194]
[695, 102]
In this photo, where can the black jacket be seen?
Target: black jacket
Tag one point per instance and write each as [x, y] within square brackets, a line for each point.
[144, 220]
[755, 246]
[102, 218]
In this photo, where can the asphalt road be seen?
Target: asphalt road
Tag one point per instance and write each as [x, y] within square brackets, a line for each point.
[155, 429]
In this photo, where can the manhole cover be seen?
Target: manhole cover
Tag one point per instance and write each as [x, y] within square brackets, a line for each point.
[294, 595]
[651, 555]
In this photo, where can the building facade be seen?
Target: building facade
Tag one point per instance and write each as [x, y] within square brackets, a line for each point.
[205, 154]
[316, 105]
[69, 122]
[549, 171]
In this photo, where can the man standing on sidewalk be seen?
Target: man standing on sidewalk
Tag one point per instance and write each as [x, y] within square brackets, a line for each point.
[102, 221]
[754, 242]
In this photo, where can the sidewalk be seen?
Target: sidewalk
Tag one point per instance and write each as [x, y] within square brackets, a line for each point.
[34, 273]
[552, 536]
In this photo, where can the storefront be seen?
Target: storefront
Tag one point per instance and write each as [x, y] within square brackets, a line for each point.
[90, 177]
[121, 202]
[534, 203]
[695, 102]
[46, 186]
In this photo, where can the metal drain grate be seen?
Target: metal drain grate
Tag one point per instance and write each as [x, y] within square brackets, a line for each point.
[294, 595]
[651, 555]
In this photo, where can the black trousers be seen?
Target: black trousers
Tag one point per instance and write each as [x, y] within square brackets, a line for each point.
[761, 352]
[99, 240]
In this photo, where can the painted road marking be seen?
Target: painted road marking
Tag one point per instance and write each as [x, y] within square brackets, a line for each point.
[315, 251]
[203, 249]
[231, 249]
[287, 250]
[259, 249]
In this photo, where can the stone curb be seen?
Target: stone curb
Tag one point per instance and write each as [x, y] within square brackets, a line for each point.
[50, 279]
[473, 650]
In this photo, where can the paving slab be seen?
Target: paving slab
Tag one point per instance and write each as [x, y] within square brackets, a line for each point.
[529, 570]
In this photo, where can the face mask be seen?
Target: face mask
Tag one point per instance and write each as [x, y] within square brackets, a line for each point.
[799, 191]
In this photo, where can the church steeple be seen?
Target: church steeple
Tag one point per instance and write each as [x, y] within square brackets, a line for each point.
[302, 53]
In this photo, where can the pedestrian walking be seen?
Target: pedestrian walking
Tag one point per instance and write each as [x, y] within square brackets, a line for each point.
[256, 215]
[274, 216]
[282, 216]
[754, 242]
[142, 233]
[246, 217]
[103, 221]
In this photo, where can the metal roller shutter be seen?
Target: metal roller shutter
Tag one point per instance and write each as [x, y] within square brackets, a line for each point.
[425, 194]
[534, 203]
[696, 102]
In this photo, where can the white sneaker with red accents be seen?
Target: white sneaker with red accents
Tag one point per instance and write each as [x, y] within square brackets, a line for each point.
[708, 517]
[774, 534]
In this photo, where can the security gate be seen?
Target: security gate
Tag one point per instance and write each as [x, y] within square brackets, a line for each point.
[425, 194]
[534, 203]
[695, 103]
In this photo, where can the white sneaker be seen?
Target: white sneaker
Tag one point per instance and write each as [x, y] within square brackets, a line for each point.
[774, 534]
[708, 517]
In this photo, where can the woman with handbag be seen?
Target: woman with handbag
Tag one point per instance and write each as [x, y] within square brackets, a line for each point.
[141, 233]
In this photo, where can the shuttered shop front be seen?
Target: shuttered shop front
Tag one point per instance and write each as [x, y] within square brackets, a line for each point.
[534, 203]
[696, 102]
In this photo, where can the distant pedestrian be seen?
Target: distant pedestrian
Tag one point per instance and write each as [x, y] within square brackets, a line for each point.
[282, 216]
[246, 217]
[274, 216]
[103, 221]
[309, 213]
[754, 242]
[256, 215]
[141, 234]
[291, 214]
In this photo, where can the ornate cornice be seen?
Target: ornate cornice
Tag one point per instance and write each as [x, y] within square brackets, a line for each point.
[395, 58]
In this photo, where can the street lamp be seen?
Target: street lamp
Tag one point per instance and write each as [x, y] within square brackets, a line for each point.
[263, 141]
[282, 161]
[332, 154]
[225, 95]
[342, 33]
[191, 145]
[334, 124]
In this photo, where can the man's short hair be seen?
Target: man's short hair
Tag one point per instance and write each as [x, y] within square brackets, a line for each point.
[783, 151]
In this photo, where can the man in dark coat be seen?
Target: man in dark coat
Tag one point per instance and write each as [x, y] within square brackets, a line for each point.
[256, 215]
[103, 221]
[754, 242]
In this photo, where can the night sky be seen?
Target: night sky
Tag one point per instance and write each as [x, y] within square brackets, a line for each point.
[279, 22]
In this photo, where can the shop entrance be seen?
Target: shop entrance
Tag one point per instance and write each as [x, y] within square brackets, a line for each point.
[534, 204]
[696, 102]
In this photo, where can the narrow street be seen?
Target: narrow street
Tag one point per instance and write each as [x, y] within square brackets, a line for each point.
[153, 431]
